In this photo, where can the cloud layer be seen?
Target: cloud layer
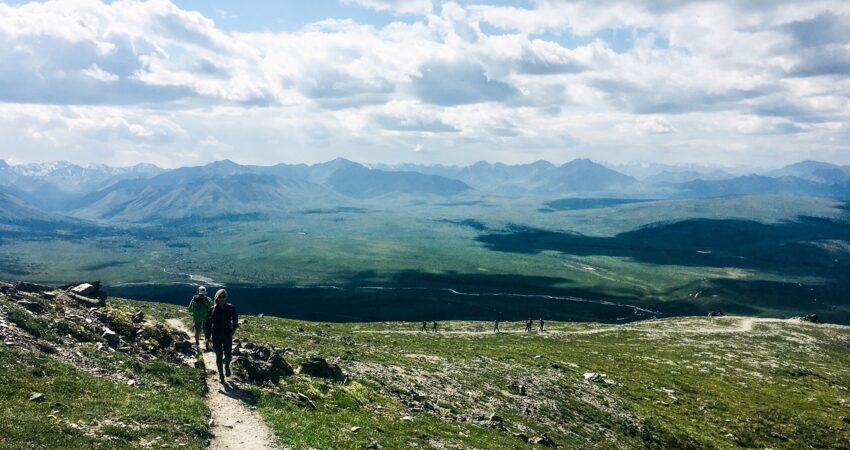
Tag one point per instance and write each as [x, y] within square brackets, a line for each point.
[747, 82]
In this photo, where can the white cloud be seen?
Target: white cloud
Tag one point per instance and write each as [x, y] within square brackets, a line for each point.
[99, 74]
[150, 80]
[396, 6]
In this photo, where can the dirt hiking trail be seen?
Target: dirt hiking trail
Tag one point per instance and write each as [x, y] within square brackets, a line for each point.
[235, 425]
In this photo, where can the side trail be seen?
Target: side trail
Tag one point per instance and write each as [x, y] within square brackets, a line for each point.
[235, 425]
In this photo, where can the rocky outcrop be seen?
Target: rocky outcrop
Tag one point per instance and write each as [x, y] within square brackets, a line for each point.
[318, 367]
[260, 364]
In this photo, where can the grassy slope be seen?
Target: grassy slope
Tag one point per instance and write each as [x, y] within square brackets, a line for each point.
[164, 409]
[677, 383]
[683, 383]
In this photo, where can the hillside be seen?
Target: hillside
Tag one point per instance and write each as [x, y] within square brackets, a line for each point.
[721, 382]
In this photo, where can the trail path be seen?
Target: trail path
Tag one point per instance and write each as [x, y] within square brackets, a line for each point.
[235, 425]
[695, 327]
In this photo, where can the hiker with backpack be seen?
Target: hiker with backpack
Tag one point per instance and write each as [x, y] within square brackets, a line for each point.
[199, 306]
[222, 322]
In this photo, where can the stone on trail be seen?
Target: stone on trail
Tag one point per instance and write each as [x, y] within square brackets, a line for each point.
[184, 347]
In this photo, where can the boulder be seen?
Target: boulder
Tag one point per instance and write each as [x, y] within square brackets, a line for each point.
[32, 288]
[317, 367]
[255, 370]
[184, 347]
[544, 440]
[811, 318]
[111, 337]
[594, 377]
[85, 289]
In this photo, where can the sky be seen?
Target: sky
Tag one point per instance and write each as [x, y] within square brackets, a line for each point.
[732, 83]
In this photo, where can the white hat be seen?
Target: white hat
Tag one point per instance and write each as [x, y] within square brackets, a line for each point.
[202, 290]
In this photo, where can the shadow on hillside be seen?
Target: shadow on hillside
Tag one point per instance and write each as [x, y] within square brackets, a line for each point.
[416, 296]
[794, 247]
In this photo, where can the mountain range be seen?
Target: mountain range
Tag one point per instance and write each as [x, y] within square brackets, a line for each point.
[141, 193]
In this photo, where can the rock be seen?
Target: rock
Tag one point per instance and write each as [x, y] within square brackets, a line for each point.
[32, 306]
[716, 313]
[519, 388]
[111, 337]
[184, 347]
[32, 288]
[139, 317]
[731, 437]
[844, 419]
[48, 295]
[354, 429]
[811, 318]
[305, 401]
[255, 370]
[521, 436]
[407, 418]
[594, 377]
[495, 418]
[37, 397]
[317, 367]
[85, 289]
[544, 440]
[779, 436]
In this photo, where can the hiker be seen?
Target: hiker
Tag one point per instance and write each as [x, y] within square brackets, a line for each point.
[199, 307]
[222, 322]
[424, 327]
[435, 326]
[541, 324]
[528, 325]
[495, 326]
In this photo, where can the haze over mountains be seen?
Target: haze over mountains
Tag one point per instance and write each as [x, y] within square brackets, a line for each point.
[144, 192]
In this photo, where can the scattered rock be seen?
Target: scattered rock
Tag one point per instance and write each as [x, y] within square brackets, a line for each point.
[811, 318]
[111, 337]
[716, 313]
[407, 418]
[519, 388]
[594, 377]
[184, 347]
[844, 419]
[254, 369]
[32, 288]
[37, 397]
[317, 367]
[779, 436]
[354, 429]
[544, 440]
[139, 317]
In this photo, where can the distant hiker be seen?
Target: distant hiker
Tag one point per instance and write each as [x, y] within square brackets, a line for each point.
[222, 322]
[541, 325]
[435, 326]
[199, 307]
[495, 326]
[528, 325]
[424, 326]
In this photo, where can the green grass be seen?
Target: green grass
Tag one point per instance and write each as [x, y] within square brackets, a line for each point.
[783, 385]
[165, 410]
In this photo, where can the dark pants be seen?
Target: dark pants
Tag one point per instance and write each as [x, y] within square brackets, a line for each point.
[223, 347]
